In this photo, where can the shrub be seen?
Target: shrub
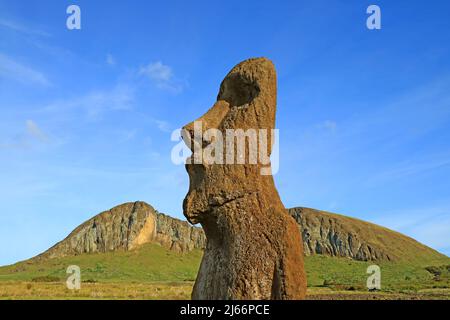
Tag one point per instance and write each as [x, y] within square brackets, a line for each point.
[434, 270]
[89, 281]
[46, 279]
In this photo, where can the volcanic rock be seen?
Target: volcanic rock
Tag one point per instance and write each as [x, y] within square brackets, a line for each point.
[126, 227]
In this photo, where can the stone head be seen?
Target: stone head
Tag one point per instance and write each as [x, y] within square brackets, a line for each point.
[220, 170]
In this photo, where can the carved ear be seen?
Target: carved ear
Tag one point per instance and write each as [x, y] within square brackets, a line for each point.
[252, 86]
[247, 81]
[237, 89]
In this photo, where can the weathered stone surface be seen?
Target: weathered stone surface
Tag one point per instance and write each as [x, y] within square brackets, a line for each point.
[337, 236]
[254, 248]
[341, 236]
[125, 227]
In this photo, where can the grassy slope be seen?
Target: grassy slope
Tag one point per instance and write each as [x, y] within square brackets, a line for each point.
[149, 263]
[339, 273]
[152, 263]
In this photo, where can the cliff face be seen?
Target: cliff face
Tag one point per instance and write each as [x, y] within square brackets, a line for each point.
[332, 235]
[130, 225]
[336, 235]
[125, 227]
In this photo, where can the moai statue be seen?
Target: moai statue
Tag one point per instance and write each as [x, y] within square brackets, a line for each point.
[254, 248]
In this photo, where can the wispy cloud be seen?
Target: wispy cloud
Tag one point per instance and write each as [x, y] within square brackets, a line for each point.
[391, 123]
[157, 72]
[392, 127]
[328, 125]
[127, 135]
[162, 76]
[159, 124]
[26, 138]
[13, 70]
[110, 60]
[19, 27]
[429, 225]
[162, 125]
[410, 167]
[97, 102]
[36, 132]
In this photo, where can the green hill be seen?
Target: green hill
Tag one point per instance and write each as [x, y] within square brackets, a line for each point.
[153, 263]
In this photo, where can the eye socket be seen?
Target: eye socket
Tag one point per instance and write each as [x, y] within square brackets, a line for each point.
[238, 90]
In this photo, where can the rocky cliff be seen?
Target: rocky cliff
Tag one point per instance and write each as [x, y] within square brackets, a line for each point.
[130, 225]
[341, 236]
[126, 227]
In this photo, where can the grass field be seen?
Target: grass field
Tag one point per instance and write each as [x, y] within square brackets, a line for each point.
[17, 290]
[149, 263]
[152, 272]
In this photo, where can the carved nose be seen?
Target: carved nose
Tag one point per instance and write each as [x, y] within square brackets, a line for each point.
[192, 133]
[189, 138]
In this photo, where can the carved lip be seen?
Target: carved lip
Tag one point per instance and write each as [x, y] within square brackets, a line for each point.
[194, 217]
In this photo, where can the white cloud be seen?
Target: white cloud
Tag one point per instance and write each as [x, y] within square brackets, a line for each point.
[127, 135]
[157, 71]
[36, 132]
[328, 125]
[428, 225]
[10, 69]
[434, 233]
[333, 206]
[120, 98]
[162, 125]
[110, 60]
[96, 103]
[162, 76]
[18, 27]
[26, 138]
[411, 167]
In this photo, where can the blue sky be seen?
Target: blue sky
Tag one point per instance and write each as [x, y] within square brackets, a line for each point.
[86, 115]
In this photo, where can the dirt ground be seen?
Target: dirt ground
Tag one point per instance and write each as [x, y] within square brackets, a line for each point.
[327, 294]
[14, 290]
